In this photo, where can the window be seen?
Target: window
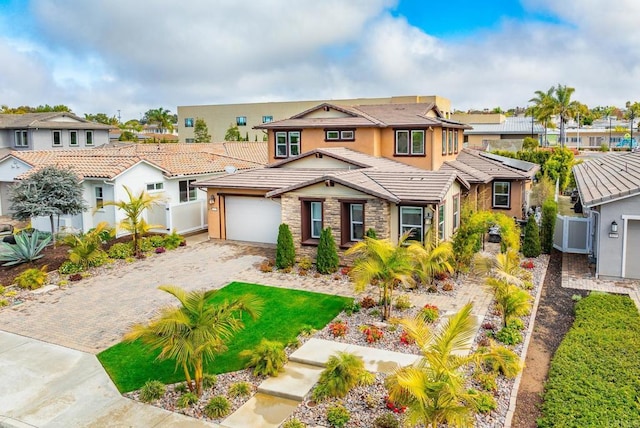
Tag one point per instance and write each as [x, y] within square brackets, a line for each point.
[410, 142]
[456, 212]
[356, 222]
[188, 122]
[187, 193]
[267, 119]
[455, 141]
[57, 138]
[88, 138]
[311, 220]
[337, 135]
[99, 197]
[189, 140]
[154, 187]
[22, 139]
[241, 120]
[441, 215]
[287, 143]
[501, 190]
[444, 141]
[450, 141]
[73, 138]
[412, 219]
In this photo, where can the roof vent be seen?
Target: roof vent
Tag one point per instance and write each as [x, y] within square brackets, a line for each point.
[230, 169]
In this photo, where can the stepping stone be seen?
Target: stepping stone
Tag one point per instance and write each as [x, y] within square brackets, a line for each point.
[293, 383]
[381, 361]
[262, 410]
[316, 352]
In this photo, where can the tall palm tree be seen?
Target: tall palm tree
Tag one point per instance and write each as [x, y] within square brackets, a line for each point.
[133, 209]
[195, 332]
[434, 390]
[542, 108]
[382, 262]
[161, 117]
[564, 107]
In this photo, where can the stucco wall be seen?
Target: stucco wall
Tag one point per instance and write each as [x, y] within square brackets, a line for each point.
[610, 251]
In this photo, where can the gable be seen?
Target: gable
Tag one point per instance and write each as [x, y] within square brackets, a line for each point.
[322, 190]
[315, 162]
[64, 119]
[326, 113]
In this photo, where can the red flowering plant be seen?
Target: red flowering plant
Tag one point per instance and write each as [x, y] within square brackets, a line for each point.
[430, 313]
[372, 333]
[395, 408]
[338, 328]
[406, 339]
[527, 264]
[345, 270]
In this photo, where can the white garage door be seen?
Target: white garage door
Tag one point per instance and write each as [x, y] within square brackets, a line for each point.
[252, 219]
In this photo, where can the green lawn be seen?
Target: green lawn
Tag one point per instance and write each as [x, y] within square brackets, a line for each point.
[284, 314]
[594, 379]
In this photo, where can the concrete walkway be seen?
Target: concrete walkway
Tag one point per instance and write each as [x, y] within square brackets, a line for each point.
[45, 385]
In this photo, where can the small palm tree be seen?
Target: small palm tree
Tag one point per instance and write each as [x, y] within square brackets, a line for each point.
[133, 222]
[382, 262]
[87, 247]
[511, 300]
[434, 257]
[195, 332]
[504, 267]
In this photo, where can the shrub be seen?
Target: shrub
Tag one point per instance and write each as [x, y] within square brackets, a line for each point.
[430, 313]
[152, 390]
[294, 423]
[509, 336]
[406, 339]
[305, 263]
[2, 290]
[68, 267]
[488, 326]
[548, 224]
[86, 248]
[338, 328]
[172, 240]
[371, 401]
[371, 233]
[267, 359]
[186, 400]
[368, 302]
[386, 420]
[181, 388]
[266, 266]
[27, 248]
[486, 380]
[448, 286]
[217, 407]
[531, 244]
[403, 302]
[354, 306]
[327, 257]
[285, 250]
[343, 371]
[160, 250]
[4, 302]
[32, 278]
[338, 416]
[484, 401]
[145, 244]
[372, 333]
[75, 277]
[155, 240]
[121, 250]
[209, 380]
[515, 323]
[239, 389]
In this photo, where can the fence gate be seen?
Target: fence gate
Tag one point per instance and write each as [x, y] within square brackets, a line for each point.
[572, 234]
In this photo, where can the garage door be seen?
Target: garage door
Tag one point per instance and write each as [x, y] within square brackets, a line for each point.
[252, 219]
[632, 269]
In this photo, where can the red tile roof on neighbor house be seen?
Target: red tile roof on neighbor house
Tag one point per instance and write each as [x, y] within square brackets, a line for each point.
[172, 159]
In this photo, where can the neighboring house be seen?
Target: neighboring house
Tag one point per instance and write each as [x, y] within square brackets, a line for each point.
[498, 183]
[416, 134]
[248, 116]
[335, 187]
[497, 129]
[50, 131]
[166, 169]
[609, 189]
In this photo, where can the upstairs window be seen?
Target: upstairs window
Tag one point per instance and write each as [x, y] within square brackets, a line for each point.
[57, 138]
[187, 193]
[410, 142]
[450, 141]
[88, 138]
[188, 122]
[455, 141]
[22, 139]
[73, 138]
[444, 141]
[155, 187]
[287, 144]
[339, 135]
[241, 120]
[267, 119]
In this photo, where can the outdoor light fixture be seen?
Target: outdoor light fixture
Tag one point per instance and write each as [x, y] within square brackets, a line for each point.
[212, 199]
[614, 227]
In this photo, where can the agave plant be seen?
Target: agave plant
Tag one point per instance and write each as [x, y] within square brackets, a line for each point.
[26, 249]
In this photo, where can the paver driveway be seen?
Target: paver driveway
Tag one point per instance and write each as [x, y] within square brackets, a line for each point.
[94, 313]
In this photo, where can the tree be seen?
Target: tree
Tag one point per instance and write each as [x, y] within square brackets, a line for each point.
[327, 258]
[201, 132]
[40, 109]
[50, 191]
[133, 209]
[161, 117]
[529, 143]
[433, 257]
[196, 331]
[559, 167]
[102, 118]
[232, 134]
[512, 301]
[285, 250]
[127, 136]
[132, 125]
[548, 224]
[386, 264]
[435, 389]
[531, 244]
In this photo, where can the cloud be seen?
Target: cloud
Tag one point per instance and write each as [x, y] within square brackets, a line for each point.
[132, 56]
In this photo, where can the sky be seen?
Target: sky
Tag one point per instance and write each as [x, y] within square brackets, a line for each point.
[126, 56]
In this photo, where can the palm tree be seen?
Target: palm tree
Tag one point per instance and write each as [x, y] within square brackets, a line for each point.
[384, 263]
[133, 209]
[434, 257]
[511, 300]
[161, 117]
[542, 108]
[434, 390]
[504, 267]
[87, 247]
[195, 332]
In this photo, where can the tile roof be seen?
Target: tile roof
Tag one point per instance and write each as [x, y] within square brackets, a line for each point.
[608, 178]
[172, 159]
[478, 165]
[45, 120]
[511, 125]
